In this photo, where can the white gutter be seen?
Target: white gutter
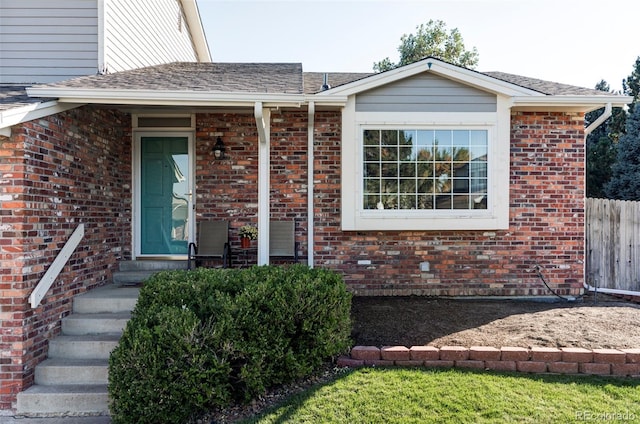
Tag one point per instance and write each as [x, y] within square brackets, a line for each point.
[584, 102]
[310, 170]
[595, 124]
[166, 98]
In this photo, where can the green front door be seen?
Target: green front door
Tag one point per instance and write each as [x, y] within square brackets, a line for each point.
[164, 195]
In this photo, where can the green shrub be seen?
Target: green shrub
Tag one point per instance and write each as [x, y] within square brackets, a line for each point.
[206, 338]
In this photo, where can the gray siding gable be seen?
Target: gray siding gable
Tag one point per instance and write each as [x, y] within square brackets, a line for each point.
[43, 40]
[426, 92]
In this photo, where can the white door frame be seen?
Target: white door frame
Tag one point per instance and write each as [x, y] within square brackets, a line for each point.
[136, 182]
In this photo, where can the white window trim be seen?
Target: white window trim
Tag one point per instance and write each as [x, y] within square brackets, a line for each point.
[496, 216]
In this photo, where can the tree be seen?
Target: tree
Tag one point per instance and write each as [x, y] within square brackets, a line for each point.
[631, 84]
[625, 179]
[602, 146]
[431, 39]
[604, 149]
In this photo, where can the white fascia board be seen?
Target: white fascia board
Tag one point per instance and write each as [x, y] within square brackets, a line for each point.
[16, 116]
[339, 101]
[583, 103]
[463, 75]
[166, 98]
[192, 15]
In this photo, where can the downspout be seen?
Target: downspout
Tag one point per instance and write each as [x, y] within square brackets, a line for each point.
[595, 124]
[589, 287]
[310, 169]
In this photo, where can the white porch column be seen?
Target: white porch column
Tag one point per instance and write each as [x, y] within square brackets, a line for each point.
[263, 122]
[310, 169]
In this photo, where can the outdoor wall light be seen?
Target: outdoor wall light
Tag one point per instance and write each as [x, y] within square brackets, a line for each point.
[219, 149]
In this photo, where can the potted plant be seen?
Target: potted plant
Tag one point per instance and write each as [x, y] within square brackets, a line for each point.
[247, 233]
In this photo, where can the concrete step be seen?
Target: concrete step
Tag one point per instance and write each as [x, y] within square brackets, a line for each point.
[151, 265]
[110, 298]
[131, 277]
[65, 400]
[83, 347]
[136, 272]
[62, 371]
[104, 323]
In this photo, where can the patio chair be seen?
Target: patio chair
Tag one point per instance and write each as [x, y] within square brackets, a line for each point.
[212, 242]
[282, 239]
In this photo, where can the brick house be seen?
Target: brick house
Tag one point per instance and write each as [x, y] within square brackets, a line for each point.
[429, 179]
[47, 148]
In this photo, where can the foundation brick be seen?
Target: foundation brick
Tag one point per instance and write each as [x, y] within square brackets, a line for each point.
[470, 364]
[595, 369]
[439, 364]
[610, 356]
[482, 353]
[409, 363]
[365, 353]
[531, 366]
[454, 353]
[576, 354]
[345, 361]
[501, 365]
[625, 369]
[564, 367]
[509, 353]
[379, 363]
[424, 353]
[395, 353]
[633, 355]
[546, 354]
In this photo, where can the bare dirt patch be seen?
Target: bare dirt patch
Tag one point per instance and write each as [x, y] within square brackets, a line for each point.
[412, 321]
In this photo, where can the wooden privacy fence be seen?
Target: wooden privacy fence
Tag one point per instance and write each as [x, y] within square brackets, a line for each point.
[613, 244]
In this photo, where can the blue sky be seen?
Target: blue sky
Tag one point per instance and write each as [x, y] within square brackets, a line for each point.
[576, 42]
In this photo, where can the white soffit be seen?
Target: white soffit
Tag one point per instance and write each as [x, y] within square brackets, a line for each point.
[18, 115]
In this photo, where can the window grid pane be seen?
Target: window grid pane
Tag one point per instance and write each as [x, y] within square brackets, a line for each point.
[425, 169]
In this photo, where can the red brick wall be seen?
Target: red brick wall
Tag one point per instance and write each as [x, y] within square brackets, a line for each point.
[76, 167]
[546, 217]
[228, 189]
[55, 173]
[546, 224]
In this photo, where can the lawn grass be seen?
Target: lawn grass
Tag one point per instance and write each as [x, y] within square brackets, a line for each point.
[398, 395]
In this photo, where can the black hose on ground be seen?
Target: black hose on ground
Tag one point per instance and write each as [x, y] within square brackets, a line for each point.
[537, 268]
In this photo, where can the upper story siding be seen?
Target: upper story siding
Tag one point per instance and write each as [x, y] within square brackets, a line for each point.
[426, 93]
[46, 41]
[145, 32]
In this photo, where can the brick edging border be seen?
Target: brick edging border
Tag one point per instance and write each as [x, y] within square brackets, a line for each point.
[536, 360]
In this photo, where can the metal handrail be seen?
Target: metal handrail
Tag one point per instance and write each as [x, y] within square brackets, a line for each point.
[56, 267]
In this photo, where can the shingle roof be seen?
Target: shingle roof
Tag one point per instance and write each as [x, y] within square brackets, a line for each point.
[313, 83]
[546, 87]
[313, 80]
[14, 96]
[281, 78]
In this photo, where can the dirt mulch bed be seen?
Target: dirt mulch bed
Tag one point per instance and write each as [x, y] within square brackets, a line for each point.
[590, 323]
[412, 321]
